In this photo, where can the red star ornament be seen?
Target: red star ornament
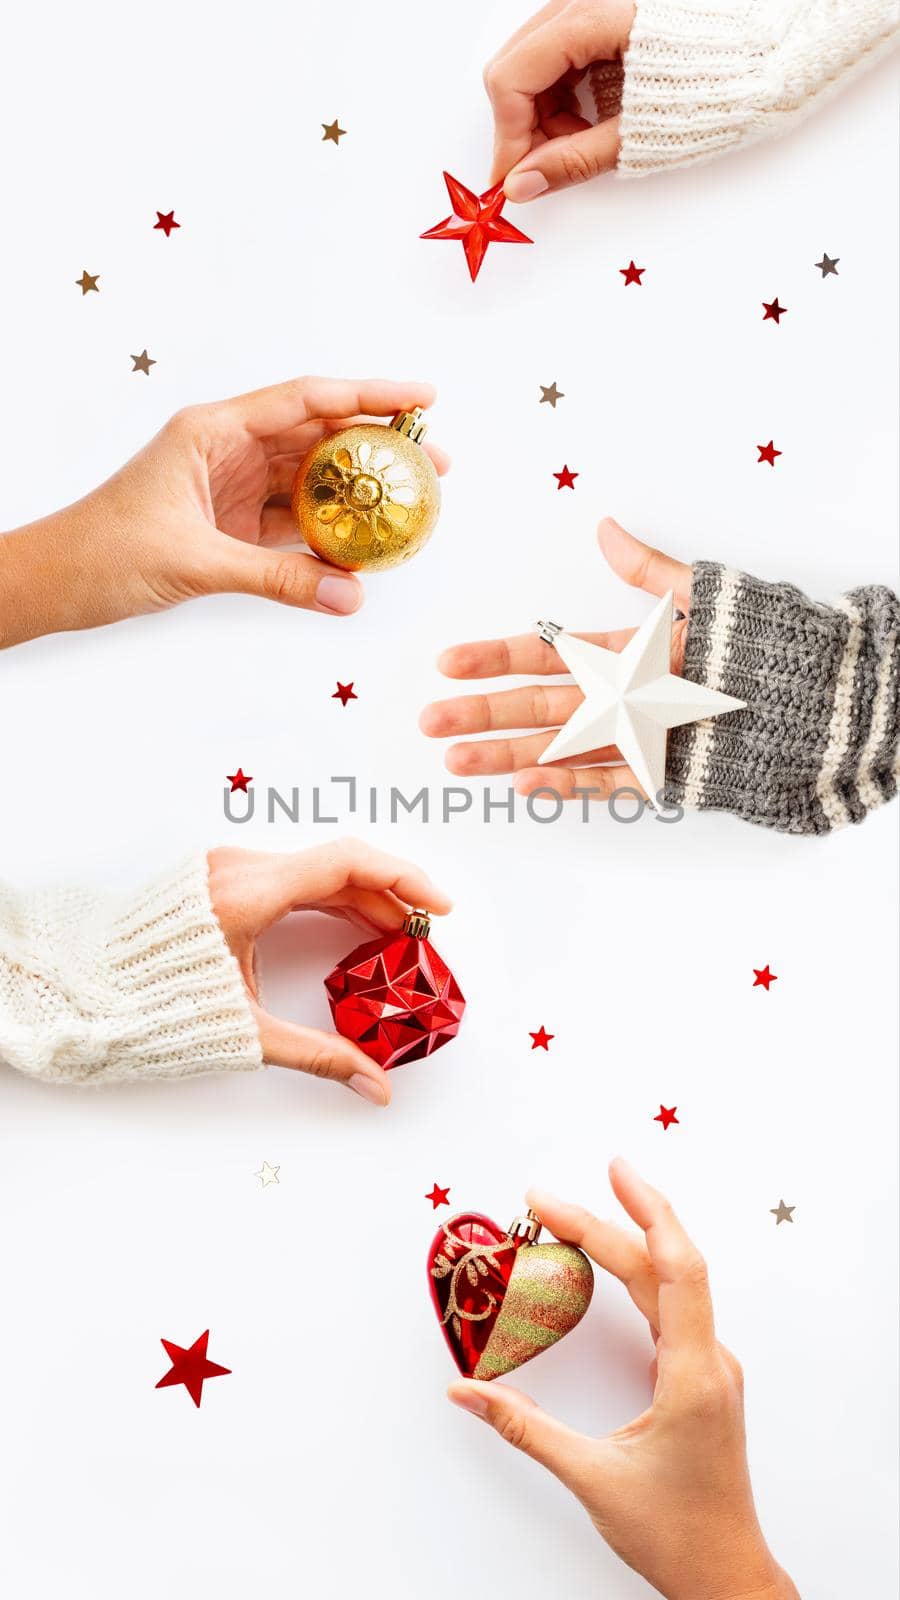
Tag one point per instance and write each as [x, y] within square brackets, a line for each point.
[633, 274]
[166, 222]
[666, 1116]
[239, 780]
[541, 1039]
[438, 1197]
[767, 452]
[344, 692]
[566, 479]
[763, 977]
[190, 1367]
[476, 222]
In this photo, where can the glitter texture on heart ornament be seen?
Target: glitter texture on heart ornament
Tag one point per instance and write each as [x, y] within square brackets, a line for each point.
[501, 1297]
[395, 997]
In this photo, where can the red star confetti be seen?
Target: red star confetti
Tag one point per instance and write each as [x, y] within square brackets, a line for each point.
[541, 1039]
[633, 274]
[191, 1367]
[239, 780]
[773, 312]
[476, 222]
[666, 1116]
[166, 221]
[767, 452]
[438, 1197]
[566, 479]
[344, 692]
[763, 978]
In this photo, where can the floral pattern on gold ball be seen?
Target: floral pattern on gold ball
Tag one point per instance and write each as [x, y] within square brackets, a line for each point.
[367, 498]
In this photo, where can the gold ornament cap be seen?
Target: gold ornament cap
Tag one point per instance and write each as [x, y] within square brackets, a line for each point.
[417, 924]
[527, 1228]
[410, 424]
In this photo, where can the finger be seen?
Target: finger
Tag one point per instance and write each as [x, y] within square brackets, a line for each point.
[292, 579]
[685, 1307]
[524, 1425]
[573, 158]
[520, 655]
[643, 567]
[575, 783]
[288, 405]
[531, 24]
[278, 526]
[534, 707]
[623, 1254]
[291, 881]
[488, 757]
[323, 1055]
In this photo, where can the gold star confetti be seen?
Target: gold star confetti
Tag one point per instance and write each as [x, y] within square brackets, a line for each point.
[143, 363]
[267, 1174]
[332, 132]
[551, 394]
[86, 283]
[782, 1213]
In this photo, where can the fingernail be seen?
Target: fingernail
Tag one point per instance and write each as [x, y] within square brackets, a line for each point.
[339, 594]
[525, 185]
[469, 1400]
[368, 1088]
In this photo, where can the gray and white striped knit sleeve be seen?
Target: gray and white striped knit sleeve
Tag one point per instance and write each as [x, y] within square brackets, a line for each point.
[817, 745]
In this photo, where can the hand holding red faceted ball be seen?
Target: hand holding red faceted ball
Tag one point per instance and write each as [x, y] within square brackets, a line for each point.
[251, 891]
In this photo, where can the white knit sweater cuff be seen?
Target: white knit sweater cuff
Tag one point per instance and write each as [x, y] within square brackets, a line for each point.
[698, 80]
[181, 1006]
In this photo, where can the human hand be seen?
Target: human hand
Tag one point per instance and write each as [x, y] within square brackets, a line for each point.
[670, 1492]
[547, 707]
[203, 509]
[541, 140]
[250, 891]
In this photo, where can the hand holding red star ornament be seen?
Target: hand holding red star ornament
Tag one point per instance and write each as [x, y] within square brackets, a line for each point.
[476, 222]
[394, 996]
[191, 1367]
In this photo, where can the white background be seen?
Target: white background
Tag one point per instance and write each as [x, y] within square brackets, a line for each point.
[330, 1464]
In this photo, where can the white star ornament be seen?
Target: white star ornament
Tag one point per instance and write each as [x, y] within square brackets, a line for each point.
[632, 699]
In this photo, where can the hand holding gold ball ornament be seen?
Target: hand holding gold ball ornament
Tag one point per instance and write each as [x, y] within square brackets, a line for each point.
[367, 498]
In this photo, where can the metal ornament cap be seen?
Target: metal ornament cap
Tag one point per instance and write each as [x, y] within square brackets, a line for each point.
[368, 498]
[501, 1298]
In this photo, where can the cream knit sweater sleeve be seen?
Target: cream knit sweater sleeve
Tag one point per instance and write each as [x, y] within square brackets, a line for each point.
[701, 79]
[94, 992]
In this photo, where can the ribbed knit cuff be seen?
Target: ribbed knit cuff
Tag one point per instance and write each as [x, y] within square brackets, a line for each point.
[699, 81]
[817, 745]
[180, 1005]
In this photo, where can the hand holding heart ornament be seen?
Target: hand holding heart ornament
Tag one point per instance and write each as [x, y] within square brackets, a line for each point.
[501, 1297]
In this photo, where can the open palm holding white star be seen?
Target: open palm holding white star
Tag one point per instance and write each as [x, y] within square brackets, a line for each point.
[616, 715]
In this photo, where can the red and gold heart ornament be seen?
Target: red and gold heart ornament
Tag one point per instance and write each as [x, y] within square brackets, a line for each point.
[500, 1296]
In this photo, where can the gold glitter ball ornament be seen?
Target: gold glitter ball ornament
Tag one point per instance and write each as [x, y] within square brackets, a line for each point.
[367, 498]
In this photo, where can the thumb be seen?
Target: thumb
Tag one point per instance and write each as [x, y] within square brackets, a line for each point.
[323, 1055]
[643, 567]
[289, 577]
[523, 1424]
[570, 159]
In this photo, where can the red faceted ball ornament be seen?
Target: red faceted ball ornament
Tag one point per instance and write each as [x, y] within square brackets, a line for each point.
[394, 997]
